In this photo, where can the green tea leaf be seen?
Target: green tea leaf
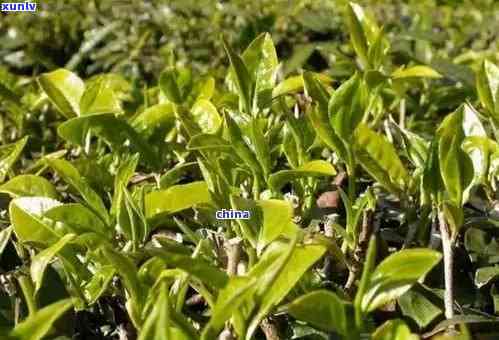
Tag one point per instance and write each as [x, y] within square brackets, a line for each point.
[71, 176]
[311, 169]
[484, 275]
[169, 87]
[40, 262]
[36, 326]
[321, 309]
[78, 218]
[8, 156]
[417, 307]
[379, 158]
[419, 71]
[243, 79]
[29, 185]
[396, 274]
[155, 122]
[26, 218]
[64, 89]
[205, 114]
[99, 97]
[394, 330]
[276, 221]
[487, 84]
[176, 198]
[114, 131]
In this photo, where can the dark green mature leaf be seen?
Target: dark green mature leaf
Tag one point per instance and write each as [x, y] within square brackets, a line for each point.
[64, 89]
[485, 275]
[29, 185]
[396, 274]
[176, 198]
[36, 326]
[322, 309]
[417, 307]
[115, 131]
[243, 79]
[9, 154]
[71, 176]
[311, 169]
[487, 84]
[394, 330]
[379, 158]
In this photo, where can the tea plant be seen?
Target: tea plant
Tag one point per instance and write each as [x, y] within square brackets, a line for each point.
[372, 200]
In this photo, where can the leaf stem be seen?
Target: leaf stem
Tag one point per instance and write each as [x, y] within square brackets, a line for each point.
[448, 265]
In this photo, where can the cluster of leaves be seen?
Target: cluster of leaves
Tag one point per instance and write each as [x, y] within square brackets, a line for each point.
[357, 188]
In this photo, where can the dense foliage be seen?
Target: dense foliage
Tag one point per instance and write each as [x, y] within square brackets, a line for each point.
[367, 156]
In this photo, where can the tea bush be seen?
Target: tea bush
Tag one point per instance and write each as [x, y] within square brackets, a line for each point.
[366, 164]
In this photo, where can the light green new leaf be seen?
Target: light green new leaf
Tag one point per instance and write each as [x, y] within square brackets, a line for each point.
[276, 221]
[99, 283]
[4, 238]
[99, 97]
[41, 260]
[394, 330]
[260, 145]
[155, 122]
[316, 91]
[114, 131]
[169, 87]
[229, 300]
[36, 326]
[260, 58]
[197, 267]
[71, 176]
[26, 218]
[240, 147]
[396, 274]
[346, 107]
[415, 148]
[295, 84]
[276, 281]
[129, 275]
[380, 159]
[456, 167]
[157, 325]
[243, 79]
[205, 141]
[29, 185]
[487, 84]
[176, 198]
[123, 174]
[311, 169]
[9, 154]
[78, 219]
[321, 309]
[64, 89]
[418, 71]
[357, 24]
[205, 114]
